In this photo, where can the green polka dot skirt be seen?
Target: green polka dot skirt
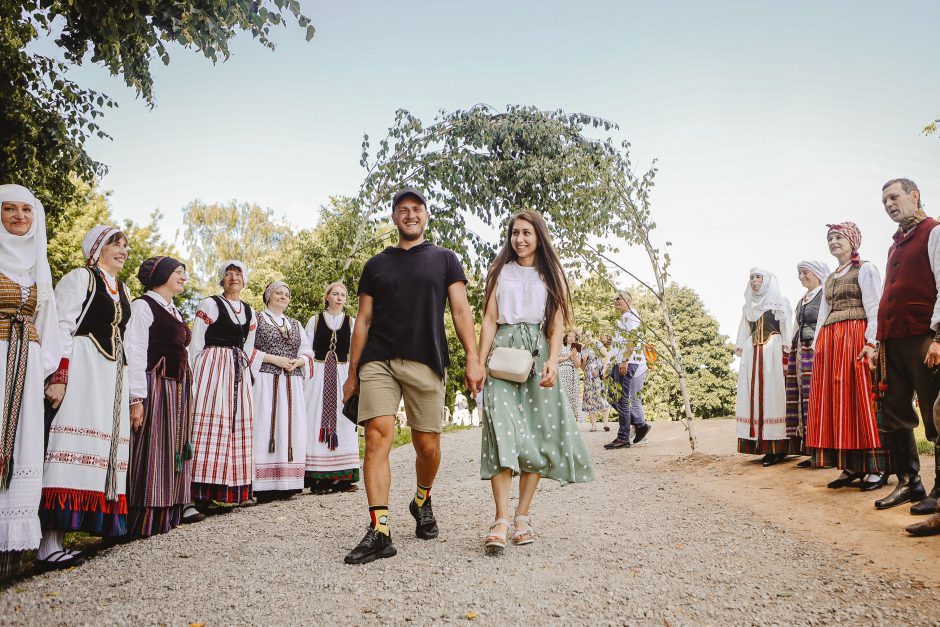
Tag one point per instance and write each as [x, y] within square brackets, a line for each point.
[528, 428]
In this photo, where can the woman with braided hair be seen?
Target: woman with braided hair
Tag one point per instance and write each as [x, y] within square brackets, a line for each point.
[280, 415]
[85, 473]
[332, 440]
[30, 350]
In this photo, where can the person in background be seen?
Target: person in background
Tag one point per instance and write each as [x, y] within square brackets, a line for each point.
[569, 361]
[223, 456]
[628, 373]
[800, 361]
[763, 339]
[332, 440]
[280, 420]
[90, 400]
[159, 477]
[31, 349]
[594, 357]
[843, 429]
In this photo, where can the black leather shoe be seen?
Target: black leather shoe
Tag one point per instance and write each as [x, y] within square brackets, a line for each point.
[806, 463]
[908, 489]
[374, 545]
[773, 458]
[426, 527]
[845, 480]
[618, 443]
[641, 432]
[868, 486]
[928, 505]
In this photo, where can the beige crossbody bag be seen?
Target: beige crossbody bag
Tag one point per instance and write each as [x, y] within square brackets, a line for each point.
[513, 364]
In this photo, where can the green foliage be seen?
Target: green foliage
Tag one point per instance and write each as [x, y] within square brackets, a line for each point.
[216, 233]
[707, 355]
[45, 118]
[483, 165]
[88, 208]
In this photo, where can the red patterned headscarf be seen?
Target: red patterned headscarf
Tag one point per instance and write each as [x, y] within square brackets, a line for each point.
[851, 232]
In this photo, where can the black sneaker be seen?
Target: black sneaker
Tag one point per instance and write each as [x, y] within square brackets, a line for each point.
[617, 443]
[426, 529]
[374, 546]
[640, 432]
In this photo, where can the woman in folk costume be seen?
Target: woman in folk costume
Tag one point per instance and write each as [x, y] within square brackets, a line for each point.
[223, 458]
[280, 420]
[799, 370]
[763, 338]
[85, 472]
[528, 428]
[160, 473]
[843, 429]
[30, 348]
[332, 440]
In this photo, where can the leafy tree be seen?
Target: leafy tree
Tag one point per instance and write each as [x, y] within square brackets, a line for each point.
[711, 383]
[482, 165]
[215, 233]
[45, 118]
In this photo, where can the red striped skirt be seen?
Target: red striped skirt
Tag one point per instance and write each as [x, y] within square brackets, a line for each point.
[841, 413]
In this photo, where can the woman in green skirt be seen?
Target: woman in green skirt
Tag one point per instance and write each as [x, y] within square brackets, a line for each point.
[528, 428]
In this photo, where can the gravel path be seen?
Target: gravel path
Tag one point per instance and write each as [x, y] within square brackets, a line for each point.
[633, 547]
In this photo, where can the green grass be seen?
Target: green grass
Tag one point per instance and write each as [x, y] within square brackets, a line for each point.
[924, 446]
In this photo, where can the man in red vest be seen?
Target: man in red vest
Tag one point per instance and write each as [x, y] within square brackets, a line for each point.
[908, 320]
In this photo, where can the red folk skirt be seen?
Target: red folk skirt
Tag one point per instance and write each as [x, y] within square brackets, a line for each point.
[842, 428]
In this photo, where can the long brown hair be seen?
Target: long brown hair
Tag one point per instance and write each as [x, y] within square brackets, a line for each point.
[547, 264]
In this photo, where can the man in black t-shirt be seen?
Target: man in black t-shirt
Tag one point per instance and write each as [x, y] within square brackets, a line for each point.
[399, 351]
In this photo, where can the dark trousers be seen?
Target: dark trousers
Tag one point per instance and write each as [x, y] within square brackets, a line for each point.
[629, 406]
[907, 374]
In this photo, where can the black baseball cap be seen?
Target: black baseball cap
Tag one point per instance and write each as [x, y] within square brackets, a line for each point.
[408, 191]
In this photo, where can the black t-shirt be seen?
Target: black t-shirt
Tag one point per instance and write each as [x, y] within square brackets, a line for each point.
[409, 291]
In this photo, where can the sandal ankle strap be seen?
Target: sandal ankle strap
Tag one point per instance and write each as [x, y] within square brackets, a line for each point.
[521, 518]
[501, 521]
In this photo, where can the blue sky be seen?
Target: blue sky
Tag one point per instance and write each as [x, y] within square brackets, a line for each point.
[767, 120]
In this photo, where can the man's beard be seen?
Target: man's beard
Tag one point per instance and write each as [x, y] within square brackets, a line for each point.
[408, 237]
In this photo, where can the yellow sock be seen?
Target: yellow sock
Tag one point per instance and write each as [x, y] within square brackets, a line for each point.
[379, 515]
[421, 495]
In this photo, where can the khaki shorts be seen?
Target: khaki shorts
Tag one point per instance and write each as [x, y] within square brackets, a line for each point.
[383, 384]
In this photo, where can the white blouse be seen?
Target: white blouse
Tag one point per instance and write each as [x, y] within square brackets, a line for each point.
[137, 340]
[869, 280]
[207, 313]
[520, 295]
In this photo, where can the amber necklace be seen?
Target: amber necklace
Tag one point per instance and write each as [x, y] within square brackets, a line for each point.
[104, 277]
[237, 312]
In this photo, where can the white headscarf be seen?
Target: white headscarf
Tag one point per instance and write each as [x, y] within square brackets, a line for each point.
[767, 298]
[273, 285]
[819, 268]
[238, 264]
[26, 255]
[94, 241]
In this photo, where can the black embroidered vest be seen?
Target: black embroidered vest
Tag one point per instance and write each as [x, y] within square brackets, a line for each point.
[269, 339]
[169, 338]
[104, 319]
[324, 337]
[764, 328]
[225, 331]
[806, 314]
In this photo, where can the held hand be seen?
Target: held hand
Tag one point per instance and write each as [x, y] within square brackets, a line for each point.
[297, 363]
[137, 416]
[474, 376]
[55, 392]
[549, 374]
[351, 387]
[622, 368]
[869, 354]
[738, 351]
[933, 355]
